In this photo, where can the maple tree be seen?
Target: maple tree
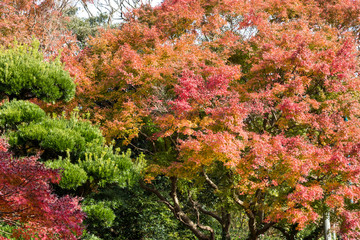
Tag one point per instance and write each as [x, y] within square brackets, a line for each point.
[256, 101]
[245, 106]
[24, 20]
[26, 200]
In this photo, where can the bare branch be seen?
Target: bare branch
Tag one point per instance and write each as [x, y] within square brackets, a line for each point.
[158, 194]
[197, 206]
[179, 213]
[209, 181]
[185, 219]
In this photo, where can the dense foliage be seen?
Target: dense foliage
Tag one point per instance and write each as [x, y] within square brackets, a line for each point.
[27, 202]
[254, 101]
[17, 111]
[24, 74]
[71, 145]
[22, 20]
[245, 111]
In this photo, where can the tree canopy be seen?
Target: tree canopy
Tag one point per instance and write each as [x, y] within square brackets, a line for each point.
[240, 108]
[256, 99]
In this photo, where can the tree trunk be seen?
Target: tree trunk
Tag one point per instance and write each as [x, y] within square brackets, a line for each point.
[225, 234]
[252, 236]
[327, 232]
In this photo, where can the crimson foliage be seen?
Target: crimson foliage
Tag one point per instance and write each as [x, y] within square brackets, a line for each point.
[27, 203]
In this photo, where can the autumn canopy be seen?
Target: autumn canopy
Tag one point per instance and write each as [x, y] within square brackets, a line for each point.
[239, 106]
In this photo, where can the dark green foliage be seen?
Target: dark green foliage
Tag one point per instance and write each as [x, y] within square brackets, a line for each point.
[98, 166]
[13, 113]
[84, 28]
[86, 163]
[88, 236]
[24, 74]
[72, 175]
[99, 214]
[138, 216]
[87, 159]
[105, 166]
[56, 136]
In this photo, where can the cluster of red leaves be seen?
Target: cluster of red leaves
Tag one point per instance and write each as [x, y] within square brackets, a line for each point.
[26, 201]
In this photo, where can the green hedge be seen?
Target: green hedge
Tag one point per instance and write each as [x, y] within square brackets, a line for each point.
[16, 112]
[25, 74]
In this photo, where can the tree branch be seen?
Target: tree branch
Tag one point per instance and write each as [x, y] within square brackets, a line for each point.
[158, 194]
[209, 181]
[179, 213]
[196, 205]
